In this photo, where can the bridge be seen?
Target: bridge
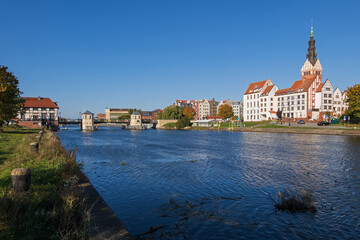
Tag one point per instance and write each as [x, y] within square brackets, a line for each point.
[146, 122]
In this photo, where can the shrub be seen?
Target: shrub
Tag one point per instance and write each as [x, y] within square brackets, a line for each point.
[182, 122]
[294, 202]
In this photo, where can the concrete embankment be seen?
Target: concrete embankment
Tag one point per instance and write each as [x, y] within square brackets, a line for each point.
[103, 223]
[319, 131]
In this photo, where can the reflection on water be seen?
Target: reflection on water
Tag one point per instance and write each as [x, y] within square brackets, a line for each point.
[214, 185]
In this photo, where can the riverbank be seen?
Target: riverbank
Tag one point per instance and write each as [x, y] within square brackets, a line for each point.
[61, 202]
[284, 129]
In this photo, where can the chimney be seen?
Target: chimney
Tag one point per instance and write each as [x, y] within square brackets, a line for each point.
[39, 98]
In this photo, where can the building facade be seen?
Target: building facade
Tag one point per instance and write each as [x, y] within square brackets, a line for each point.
[308, 98]
[37, 112]
[112, 114]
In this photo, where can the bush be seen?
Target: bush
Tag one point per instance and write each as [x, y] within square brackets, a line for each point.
[294, 202]
[182, 122]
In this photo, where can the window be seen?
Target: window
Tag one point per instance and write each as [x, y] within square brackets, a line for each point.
[329, 101]
[325, 107]
[325, 101]
[327, 89]
[303, 96]
[330, 95]
[298, 96]
[303, 107]
[325, 95]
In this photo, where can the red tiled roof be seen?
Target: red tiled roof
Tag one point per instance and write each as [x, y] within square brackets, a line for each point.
[253, 86]
[320, 87]
[267, 90]
[272, 112]
[39, 102]
[298, 86]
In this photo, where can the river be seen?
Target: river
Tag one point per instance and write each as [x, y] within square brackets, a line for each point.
[215, 185]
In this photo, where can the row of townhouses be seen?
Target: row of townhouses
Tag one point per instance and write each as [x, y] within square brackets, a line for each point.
[209, 108]
[308, 98]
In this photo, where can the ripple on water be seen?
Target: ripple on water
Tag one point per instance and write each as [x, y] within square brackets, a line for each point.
[226, 177]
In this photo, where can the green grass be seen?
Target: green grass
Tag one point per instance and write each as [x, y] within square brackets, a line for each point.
[251, 124]
[272, 126]
[51, 209]
[170, 125]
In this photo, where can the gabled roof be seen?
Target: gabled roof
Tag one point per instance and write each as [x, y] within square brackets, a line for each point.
[38, 102]
[254, 87]
[298, 86]
[87, 112]
[320, 87]
[267, 90]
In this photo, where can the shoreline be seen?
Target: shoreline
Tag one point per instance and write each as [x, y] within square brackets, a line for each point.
[293, 130]
[320, 131]
[103, 223]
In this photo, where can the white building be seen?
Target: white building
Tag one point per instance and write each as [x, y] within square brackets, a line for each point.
[236, 106]
[324, 97]
[38, 111]
[252, 107]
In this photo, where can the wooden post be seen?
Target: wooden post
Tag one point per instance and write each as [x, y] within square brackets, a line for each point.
[34, 146]
[21, 179]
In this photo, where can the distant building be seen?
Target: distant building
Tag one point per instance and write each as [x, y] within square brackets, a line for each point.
[213, 107]
[155, 114]
[147, 115]
[135, 119]
[112, 114]
[37, 112]
[307, 98]
[101, 117]
[87, 121]
[236, 106]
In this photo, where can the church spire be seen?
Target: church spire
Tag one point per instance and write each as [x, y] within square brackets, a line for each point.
[311, 49]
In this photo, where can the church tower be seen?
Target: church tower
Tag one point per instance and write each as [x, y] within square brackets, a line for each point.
[311, 68]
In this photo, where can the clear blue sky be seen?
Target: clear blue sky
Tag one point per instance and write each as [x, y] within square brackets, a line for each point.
[145, 54]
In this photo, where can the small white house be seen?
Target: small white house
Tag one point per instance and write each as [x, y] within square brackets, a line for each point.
[204, 123]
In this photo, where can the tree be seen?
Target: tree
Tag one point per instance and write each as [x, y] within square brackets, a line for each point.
[279, 114]
[225, 111]
[123, 116]
[132, 110]
[10, 100]
[182, 122]
[172, 112]
[189, 112]
[353, 100]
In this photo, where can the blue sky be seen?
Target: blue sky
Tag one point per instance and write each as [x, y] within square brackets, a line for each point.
[145, 54]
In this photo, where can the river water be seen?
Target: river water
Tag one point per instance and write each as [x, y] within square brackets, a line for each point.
[215, 185]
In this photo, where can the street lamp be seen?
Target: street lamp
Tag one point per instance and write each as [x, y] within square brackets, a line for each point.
[289, 111]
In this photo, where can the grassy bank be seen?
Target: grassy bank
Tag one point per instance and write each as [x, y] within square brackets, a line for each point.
[51, 209]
